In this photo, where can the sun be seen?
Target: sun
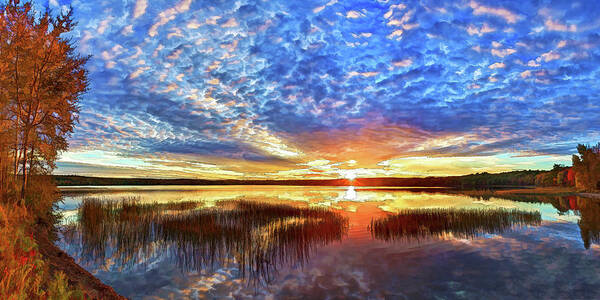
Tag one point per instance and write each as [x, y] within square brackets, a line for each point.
[350, 175]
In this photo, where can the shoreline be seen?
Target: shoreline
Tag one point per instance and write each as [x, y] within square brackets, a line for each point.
[538, 190]
[590, 195]
[77, 275]
[556, 191]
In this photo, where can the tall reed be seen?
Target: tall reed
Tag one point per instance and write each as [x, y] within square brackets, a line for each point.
[259, 237]
[438, 222]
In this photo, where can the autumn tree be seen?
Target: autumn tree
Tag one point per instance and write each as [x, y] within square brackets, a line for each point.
[586, 165]
[571, 177]
[42, 79]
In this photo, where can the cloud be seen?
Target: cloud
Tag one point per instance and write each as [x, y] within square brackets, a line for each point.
[353, 14]
[503, 52]
[214, 81]
[402, 63]
[310, 84]
[363, 74]
[404, 21]
[507, 15]
[318, 9]
[168, 15]
[548, 56]
[127, 30]
[230, 23]
[140, 8]
[175, 54]
[139, 71]
[104, 25]
[555, 26]
[474, 30]
[497, 65]
[396, 34]
[393, 8]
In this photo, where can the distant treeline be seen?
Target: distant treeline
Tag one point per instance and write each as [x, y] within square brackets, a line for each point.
[515, 178]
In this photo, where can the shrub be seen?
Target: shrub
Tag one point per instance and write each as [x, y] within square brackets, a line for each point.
[23, 273]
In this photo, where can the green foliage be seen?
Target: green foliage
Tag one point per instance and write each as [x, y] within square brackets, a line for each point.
[515, 178]
[59, 289]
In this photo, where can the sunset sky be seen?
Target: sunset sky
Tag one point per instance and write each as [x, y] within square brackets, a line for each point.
[316, 89]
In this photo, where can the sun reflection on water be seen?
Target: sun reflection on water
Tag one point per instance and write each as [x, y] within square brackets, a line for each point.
[350, 194]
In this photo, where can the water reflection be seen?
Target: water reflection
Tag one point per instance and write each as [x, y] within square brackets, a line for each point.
[587, 210]
[440, 222]
[257, 237]
[574, 209]
[201, 246]
[350, 194]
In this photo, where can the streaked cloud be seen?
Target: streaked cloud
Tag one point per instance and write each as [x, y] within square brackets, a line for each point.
[402, 63]
[553, 25]
[497, 65]
[507, 15]
[503, 52]
[353, 14]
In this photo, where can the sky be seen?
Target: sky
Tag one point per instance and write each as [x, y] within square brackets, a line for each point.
[315, 89]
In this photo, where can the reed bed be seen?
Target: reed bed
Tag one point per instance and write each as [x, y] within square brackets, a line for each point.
[259, 237]
[440, 222]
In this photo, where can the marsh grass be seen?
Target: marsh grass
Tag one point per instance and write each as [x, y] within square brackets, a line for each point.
[439, 222]
[258, 237]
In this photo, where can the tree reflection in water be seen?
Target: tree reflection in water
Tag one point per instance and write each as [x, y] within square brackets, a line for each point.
[439, 222]
[587, 209]
[257, 237]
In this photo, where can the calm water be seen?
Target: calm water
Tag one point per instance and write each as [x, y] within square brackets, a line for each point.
[338, 243]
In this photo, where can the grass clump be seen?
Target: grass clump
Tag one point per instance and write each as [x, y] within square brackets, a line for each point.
[438, 222]
[258, 237]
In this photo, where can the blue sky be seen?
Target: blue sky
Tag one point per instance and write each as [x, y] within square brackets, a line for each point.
[318, 89]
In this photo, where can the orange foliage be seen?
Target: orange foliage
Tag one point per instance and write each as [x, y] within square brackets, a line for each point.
[42, 79]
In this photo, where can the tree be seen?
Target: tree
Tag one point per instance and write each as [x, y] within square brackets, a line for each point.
[561, 178]
[42, 79]
[586, 166]
[571, 177]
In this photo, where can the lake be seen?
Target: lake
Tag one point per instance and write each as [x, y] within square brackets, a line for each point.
[288, 242]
